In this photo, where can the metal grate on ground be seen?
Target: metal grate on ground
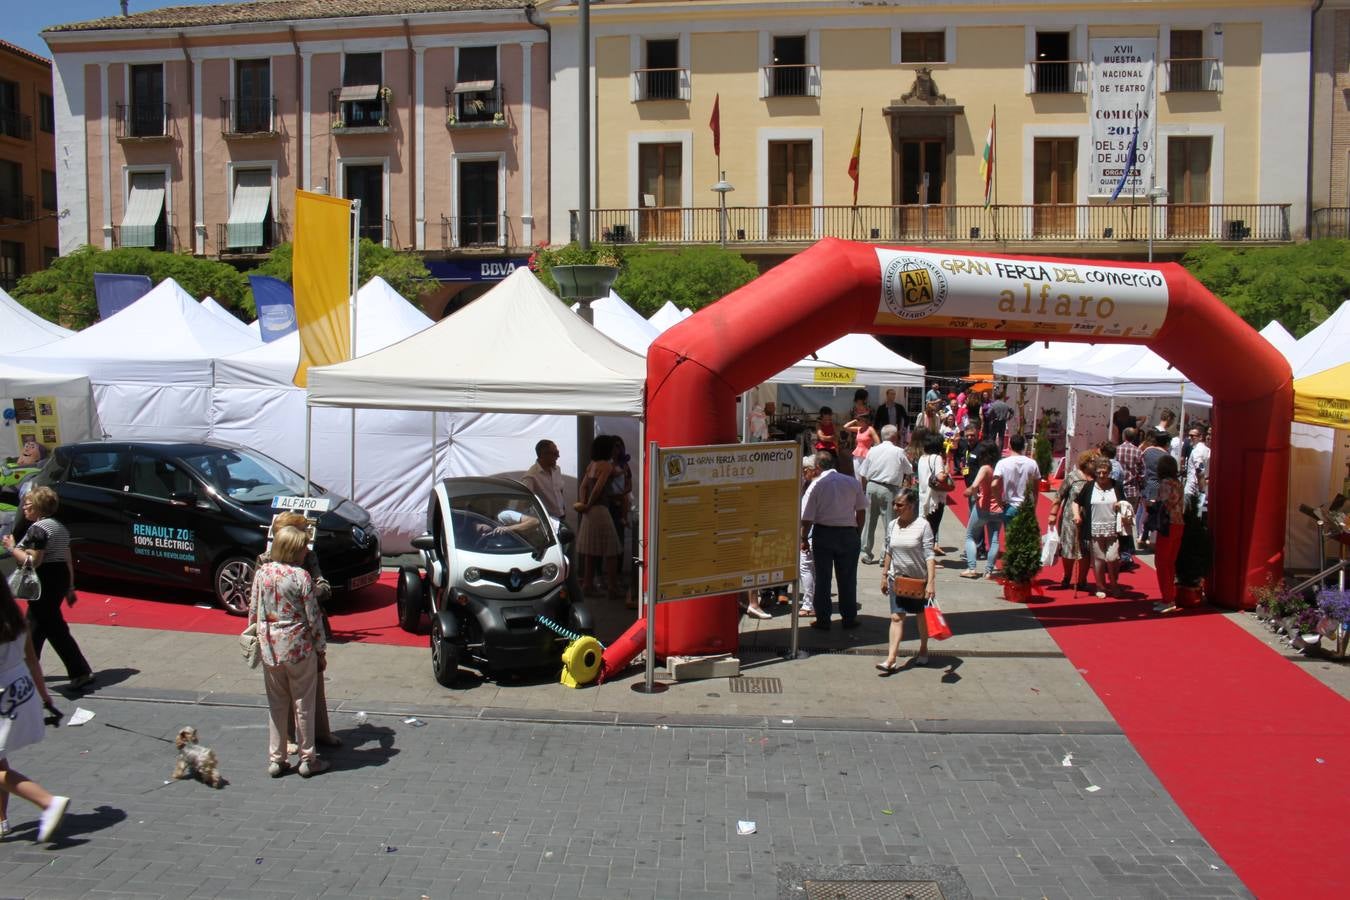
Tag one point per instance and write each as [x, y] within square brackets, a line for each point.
[748, 685]
[873, 890]
[916, 881]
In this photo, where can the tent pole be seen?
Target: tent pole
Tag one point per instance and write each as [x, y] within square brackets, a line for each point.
[639, 564]
[351, 492]
[309, 427]
[431, 475]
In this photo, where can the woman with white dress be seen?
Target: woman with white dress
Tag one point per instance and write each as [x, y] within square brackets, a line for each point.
[908, 554]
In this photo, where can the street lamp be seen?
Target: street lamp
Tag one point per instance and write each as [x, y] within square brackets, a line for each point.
[1155, 194]
[722, 188]
[584, 284]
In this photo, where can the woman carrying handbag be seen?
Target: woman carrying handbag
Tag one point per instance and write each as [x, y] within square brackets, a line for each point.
[909, 576]
[935, 482]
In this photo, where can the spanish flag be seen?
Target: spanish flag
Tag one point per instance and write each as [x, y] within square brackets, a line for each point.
[853, 160]
[321, 273]
[987, 161]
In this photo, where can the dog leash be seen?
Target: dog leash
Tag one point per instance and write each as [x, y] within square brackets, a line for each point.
[141, 733]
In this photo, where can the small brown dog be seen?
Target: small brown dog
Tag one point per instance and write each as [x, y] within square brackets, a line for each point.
[196, 760]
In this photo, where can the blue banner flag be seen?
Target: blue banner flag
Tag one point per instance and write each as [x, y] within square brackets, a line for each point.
[276, 306]
[1130, 159]
[115, 293]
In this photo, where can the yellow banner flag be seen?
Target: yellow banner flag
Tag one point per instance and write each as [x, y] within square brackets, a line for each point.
[321, 274]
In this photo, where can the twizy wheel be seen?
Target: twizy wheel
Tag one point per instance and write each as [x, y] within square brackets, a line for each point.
[409, 598]
[445, 656]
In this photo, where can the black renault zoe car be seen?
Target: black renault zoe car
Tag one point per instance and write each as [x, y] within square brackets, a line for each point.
[194, 515]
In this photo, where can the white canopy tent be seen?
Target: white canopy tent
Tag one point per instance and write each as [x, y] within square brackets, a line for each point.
[868, 357]
[669, 314]
[151, 365]
[64, 403]
[1279, 338]
[621, 323]
[228, 319]
[255, 403]
[24, 329]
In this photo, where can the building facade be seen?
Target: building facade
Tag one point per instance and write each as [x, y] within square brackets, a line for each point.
[191, 128]
[1329, 181]
[1212, 96]
[28, 192]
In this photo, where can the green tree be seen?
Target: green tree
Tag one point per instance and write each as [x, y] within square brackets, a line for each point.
[1300, 284]
[405, 272]
[64, 291]
[1022, 543]
[690, 277]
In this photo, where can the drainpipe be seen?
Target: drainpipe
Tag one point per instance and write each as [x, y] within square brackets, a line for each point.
[194, 214]
[412, 133]
[530, 13]
[1312, 99]
[301, 126]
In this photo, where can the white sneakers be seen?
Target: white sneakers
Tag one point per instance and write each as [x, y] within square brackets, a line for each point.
[311, 767]
[4, 829]
[51, 818]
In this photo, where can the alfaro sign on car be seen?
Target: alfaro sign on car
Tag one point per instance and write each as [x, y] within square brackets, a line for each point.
[302, 504]
[976, 293]
[727, 518]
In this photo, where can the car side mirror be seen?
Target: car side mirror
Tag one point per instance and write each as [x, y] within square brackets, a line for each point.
[183, 498]
[424, 542]
[565, 535]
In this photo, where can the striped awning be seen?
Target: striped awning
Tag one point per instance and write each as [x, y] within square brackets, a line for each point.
[359, 92]
[474, 87]
[144, 207]
[248, 212]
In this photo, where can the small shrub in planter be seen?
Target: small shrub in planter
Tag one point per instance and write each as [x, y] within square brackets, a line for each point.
[1044, 458]
[1021, 552]
[1335, 605]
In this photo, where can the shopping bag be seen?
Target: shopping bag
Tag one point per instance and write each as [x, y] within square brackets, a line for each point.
[938, 629]
[1049, 546]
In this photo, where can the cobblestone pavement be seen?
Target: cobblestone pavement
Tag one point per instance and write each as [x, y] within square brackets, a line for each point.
[501, 809]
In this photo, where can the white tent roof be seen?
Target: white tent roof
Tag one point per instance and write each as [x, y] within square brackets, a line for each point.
[24, 329]
[164, 338]
[74, 403]
[383, 317]
[1122, 370]
[1280, 338]
[1325, 346]
[620, 322]
[515, 349]
[668, 315]
[227, 318]
[874, 364]
[1028, 362]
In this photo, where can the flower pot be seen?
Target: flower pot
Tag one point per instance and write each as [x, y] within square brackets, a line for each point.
[1188, 597]
[1017, 591]
[1045, 485]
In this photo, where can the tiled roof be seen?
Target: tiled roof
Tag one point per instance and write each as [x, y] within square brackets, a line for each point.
[280, 11]
[26, 54]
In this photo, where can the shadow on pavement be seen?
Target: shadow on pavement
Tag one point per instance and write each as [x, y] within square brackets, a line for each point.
[355, 754]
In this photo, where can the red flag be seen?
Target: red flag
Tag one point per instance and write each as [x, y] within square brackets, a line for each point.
[853, 161]
[715, 123]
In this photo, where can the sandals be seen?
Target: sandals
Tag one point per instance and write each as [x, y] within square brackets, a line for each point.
[970, 573]
[758, 613]
[888, 668]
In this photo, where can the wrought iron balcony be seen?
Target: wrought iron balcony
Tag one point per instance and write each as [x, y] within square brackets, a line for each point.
[163, 237]
[660, 84]
[475, 232]
[790, 81]
[1106, 225]
[16, 125]
[139, 121]
[1192, 75]
[1330, 222]
[1058, 76]
[474, 104]
[359, 109]
[16, 206]
[273, 233]
[243, 116]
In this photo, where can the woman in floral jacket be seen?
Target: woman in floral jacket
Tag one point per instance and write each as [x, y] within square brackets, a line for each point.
[290, 636]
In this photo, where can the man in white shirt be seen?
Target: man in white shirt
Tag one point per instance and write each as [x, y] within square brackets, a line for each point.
[546, 479]
[1197, 464]
[884, 471]
[832, 516]
[1020, 476]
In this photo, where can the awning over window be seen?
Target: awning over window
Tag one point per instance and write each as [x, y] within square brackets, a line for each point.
[248, 212]
[359, 92]
[144, 207]
[474, 87]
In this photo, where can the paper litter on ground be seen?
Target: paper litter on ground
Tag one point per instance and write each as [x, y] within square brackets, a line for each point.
[743, 827]
[80, 716]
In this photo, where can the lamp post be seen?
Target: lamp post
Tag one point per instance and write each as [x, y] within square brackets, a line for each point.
[722, 188]
[584, 284]
[584, 131]
[1154, 195]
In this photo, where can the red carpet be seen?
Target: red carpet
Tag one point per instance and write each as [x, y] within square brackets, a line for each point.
[1255, 751]
[366, 616]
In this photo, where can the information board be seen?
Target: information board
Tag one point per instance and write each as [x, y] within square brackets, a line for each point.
[727, 518]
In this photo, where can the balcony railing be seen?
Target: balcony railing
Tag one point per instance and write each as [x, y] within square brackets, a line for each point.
[660, 84]
[473, 232]
[274, 233]
[790, 81]
[359, 108]
[142, 120]
[163, 237]
[248, 116]
[1192, 75]
[16, 125]
[15, 206]
[475, 107]
[1330, 222]
[1109, 225]
[1058, 76]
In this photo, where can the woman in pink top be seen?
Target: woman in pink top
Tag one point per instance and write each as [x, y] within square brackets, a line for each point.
[865, 436]
[987, 491]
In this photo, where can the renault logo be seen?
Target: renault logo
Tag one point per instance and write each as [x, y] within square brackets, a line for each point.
[515, 580]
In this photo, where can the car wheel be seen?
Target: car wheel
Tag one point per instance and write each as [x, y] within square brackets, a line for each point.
[409, 598]
[445, 656]
[234, 578]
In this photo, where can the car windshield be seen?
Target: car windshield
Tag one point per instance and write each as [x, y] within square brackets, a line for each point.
[247, 477]
[499, 523]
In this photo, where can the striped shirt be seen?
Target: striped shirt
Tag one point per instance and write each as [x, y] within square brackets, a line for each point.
[49, 536]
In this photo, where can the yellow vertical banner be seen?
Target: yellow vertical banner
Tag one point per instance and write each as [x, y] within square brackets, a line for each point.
[321, 275]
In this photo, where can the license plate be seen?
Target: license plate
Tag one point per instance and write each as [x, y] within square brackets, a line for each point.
[361, 581]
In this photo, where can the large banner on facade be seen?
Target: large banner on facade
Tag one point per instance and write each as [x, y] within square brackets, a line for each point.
[1124, 98]
[980, 293]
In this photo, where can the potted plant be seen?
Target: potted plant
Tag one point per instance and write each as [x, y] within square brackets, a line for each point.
[1021, 554]
[1335, 624]
[1042, 453]
[1193, 560]
[1305, 628]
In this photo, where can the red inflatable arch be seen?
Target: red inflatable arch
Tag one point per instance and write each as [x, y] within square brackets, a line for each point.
[696, 370]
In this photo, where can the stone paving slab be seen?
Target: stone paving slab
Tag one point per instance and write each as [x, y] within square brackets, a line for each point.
[479, 808]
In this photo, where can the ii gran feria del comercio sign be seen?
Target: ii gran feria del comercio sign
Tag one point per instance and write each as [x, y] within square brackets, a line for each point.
[1123, 97]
